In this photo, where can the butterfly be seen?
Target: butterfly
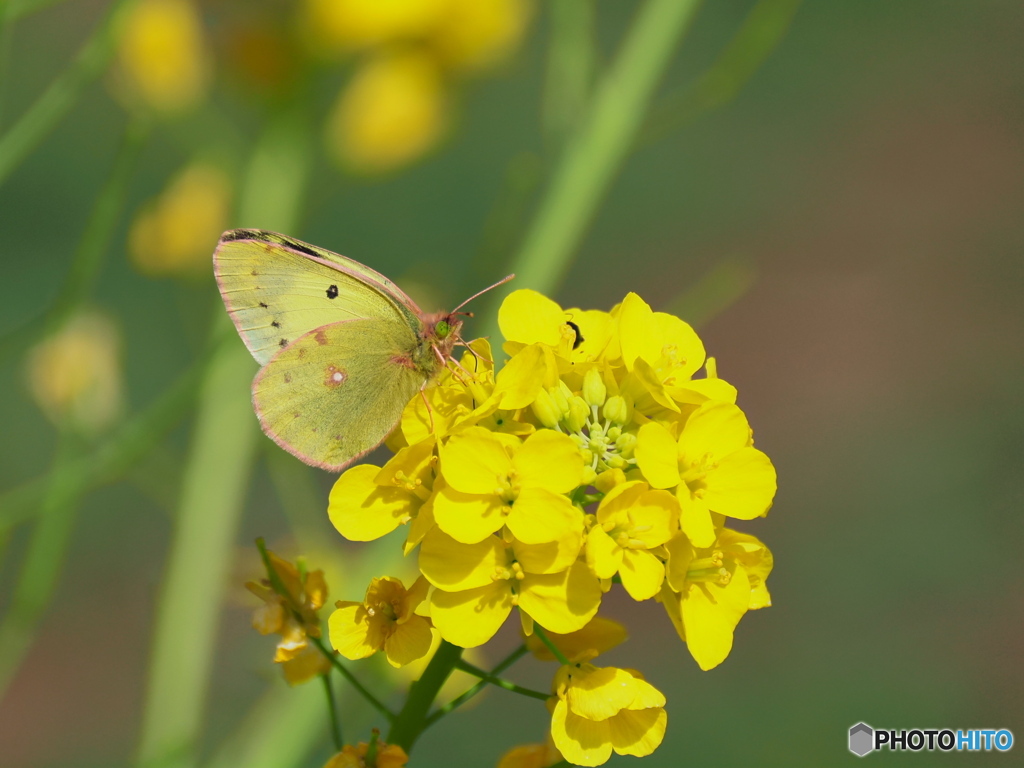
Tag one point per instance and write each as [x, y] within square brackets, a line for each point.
[343, 349]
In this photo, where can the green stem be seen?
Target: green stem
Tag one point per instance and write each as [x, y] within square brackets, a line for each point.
[332, 709]
[539, 631]
[91, 251]
[458, 701]
[508, 685]
[413, 718]
[353, 680]
[40, 572]
[57, 100]
[599, 145]
[569, 67]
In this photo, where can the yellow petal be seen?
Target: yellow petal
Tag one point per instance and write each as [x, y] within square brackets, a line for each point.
[688, 348]
[695, 519]
[600, 635]
[361, 510]
[472, 617]
[524, 375]
[549, 459]
[639, 335]
[596, 330]
[657, 455]
[598, 693]
[581, 741]
[710, 613]
[742, 485]
[408, 642]
[715, 428]
[645, 381]
[642, 573]
[604, 556]
[699, 391]
[638, 732]
[351, 632]
[549, 557]
[540, 516]
[449, 565]
[530, 317]
[562, 602]
[680, 553]
[655, 518]
[415, 462]
[468, 517]
[419, 527]
[475, 461]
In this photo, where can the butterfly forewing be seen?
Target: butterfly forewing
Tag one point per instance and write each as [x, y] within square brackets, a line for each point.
[278, 289]
[335, 393]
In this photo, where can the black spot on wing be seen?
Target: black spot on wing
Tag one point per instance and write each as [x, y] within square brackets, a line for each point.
[275, 323]
[332, 292]
[283, 343]
[241, 234]
[264, 305]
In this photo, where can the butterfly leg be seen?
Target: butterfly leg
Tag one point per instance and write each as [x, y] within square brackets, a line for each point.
[430, 411]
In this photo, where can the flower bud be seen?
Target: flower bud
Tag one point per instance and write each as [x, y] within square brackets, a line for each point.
[546, 410]
[561, 395]
[625, 443]
[594, 390]
[617, 410]
[578, 414]
[711, 366]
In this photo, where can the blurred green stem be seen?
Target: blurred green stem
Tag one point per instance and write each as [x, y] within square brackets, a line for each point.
[214, 485]
[91, 251]
[57, 100]
[492, 679]
[44, 558]
[539, 631]
[457, 702]
[597, 148]
[332, 711]
[569, 67]
[763, 29]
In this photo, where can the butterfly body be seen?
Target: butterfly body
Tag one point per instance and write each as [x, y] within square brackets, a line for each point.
[343, 349]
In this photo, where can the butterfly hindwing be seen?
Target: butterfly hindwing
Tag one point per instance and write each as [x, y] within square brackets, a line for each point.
[277, 289]
[335, 393]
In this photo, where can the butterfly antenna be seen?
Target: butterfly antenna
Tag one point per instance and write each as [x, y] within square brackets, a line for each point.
[481, 293]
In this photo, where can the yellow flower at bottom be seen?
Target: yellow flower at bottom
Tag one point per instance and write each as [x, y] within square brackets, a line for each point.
[392, 112]
[385, 621]
[605, 709]
[531, 756]
[387, 756]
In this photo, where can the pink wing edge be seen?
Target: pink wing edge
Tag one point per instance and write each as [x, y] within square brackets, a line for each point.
[280, 441]
[380, 283]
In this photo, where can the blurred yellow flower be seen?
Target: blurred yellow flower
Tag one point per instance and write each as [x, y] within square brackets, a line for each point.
[479, 33]
[385, 756]
[290, 610]
[174, 234]
[601, 709]
[392, 112]
[354, 24]
[384, 621]
[162, 53]
[75, 375]
[531, 756]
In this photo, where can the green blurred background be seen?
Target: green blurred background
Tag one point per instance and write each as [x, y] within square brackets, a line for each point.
[846, 233]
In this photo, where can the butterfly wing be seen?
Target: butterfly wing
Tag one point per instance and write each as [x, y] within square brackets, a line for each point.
[277, 289]
[335, 393]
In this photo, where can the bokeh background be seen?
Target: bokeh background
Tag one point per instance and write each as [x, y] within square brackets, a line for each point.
[831, 192]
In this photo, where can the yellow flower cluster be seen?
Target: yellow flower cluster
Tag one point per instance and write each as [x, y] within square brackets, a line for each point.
[397, 105]
[597, 455]
[291, 601]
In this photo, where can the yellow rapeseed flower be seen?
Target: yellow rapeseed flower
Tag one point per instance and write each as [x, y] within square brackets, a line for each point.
[164, 63]
[712, 465]
[601, 634]
[531, 756]
[605, 709]
[384, 621]
[290, 609]
[75, 375]
[709, 589]
[385, 756]
[173, 234]
[475, 34]
[392, 112]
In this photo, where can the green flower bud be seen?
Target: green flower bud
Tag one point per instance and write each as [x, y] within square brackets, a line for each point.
[546, 410]
[579, 412]
[617, 410]
[594, 390]
[560, 398]
[625, 443]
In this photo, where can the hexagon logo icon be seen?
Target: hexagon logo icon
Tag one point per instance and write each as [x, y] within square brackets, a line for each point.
[862, 739]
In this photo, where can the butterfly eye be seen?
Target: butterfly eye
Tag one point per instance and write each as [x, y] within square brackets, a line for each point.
[442, 329]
